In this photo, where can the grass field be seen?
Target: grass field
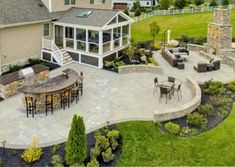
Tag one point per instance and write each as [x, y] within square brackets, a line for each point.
[193, 25]
[145, 145]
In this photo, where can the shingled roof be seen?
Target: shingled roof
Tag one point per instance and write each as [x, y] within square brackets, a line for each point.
[22, 11]
[96, 17]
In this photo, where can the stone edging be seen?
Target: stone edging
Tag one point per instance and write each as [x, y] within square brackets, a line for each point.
[184, 109]
[138, 68]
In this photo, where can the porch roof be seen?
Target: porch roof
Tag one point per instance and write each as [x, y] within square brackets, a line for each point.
[96, 17]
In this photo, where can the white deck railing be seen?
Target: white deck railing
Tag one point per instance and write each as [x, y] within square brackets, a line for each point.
[56, 52]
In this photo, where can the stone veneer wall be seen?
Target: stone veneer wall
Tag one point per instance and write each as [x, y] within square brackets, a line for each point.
[11, 89]
[184, 109]
[138, 68]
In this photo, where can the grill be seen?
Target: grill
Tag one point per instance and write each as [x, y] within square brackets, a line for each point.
[27, 72]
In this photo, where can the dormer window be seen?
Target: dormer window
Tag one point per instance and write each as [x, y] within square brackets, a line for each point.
[69, 2]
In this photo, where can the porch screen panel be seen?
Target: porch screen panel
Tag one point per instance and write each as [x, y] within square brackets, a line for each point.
[81, 39]
[93, 39]
[69, 37]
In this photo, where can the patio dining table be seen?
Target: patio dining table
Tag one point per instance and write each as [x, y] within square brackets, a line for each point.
[167, 84]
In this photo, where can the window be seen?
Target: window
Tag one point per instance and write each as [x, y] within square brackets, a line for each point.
[46, 29]
[69, 2]
[147, 3]
[97, 1]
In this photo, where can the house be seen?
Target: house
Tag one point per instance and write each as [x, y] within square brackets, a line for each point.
[61, 31]
[128, 4]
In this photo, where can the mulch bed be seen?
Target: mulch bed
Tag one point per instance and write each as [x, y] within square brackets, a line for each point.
[213, 120]
[12, 157]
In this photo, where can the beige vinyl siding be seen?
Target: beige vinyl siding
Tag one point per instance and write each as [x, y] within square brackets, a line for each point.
[58, 5]
[21, 42]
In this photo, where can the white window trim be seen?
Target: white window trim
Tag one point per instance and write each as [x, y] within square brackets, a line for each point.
[70, 3]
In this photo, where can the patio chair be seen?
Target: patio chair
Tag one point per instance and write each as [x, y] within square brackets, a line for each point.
[75, 93]
[49, 103]
[216, 64]
[171, 79]
[65, 99]
[156, 85]
[201, 67]
[31, 106]
[178, 90]
[80, 88]
[164, 91]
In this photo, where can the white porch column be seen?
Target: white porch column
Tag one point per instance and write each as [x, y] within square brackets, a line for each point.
[111, 43]
[64, 41]
[74, 39]
[100, 43]
[100, 62]
[121, 36]
[87, 44]
[129, 33]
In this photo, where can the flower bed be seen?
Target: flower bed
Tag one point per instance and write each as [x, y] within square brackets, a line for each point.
[217, 100]
[12, 157]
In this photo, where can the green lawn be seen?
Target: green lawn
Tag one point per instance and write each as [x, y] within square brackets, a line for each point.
[193, 25]
[144, 144]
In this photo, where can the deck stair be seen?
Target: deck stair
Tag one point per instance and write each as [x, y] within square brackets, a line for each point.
[66, 57]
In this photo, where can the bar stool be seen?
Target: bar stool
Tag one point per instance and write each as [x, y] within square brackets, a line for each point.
[30, 106]
[49, 103]
[75, 93]
[65, 99]
[80, 88]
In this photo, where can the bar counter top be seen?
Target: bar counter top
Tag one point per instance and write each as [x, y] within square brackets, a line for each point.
[58, 83]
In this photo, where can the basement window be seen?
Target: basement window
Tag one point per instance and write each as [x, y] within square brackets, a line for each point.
[69, 2]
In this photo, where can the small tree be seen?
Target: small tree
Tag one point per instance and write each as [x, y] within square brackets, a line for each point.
[180, 4]
[225, 2]
[165, 4]
[76, 148]
[199, 2]
[126, 12]
[136, 5]
[137, 12]
[154, 29]
[213, 3]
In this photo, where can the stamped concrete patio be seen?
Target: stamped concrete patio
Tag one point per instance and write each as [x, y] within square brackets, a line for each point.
[107, 96]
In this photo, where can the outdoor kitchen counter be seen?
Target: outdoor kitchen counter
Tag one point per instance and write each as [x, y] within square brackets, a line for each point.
[58, 83]
[53, 87]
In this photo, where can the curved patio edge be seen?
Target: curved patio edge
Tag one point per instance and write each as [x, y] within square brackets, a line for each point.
[139, 68]
[62, 140]
[184, 109]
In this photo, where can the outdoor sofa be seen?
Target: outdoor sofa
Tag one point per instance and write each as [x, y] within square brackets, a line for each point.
[205, 67]
[172, 59]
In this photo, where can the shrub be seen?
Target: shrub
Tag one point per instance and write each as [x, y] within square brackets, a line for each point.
[76, 148]
[113, 143]
[199, 40]
[172, 128]
[107, 155]
[153, 61]
[13, 68]
[33, 61]
[199, 2]
[137, 12]
[185, 131]
[56, 161]
[213, 87]
[165, 4]
[55, 149]
[33, 153]
[113, 134]
[223, 112]
[231, 86]
[205, 109]
[158, 124]
[213, 3]
[93, 163]
[197, 120]
[180, 4]
[101, 141]
[225, 2]
[95, 152]
[216, 100]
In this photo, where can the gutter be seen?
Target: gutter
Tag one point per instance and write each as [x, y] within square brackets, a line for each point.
[24, 23]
